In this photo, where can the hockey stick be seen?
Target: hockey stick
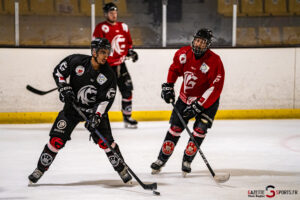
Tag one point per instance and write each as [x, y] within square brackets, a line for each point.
[39, 92]
[217, 178]
[152, 186]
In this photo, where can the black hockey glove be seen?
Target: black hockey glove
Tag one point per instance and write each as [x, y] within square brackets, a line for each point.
[66, 94]
[167, 92]
[93, 122]
[133, 55]
[192, 110]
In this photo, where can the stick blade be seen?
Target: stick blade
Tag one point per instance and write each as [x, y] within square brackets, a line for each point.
[222, 178]
[152, 186]
[31, 89]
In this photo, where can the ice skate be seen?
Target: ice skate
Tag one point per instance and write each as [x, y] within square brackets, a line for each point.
[156, 166]
[129, 122]
[35, 176]
[125, 176]
[186, 168]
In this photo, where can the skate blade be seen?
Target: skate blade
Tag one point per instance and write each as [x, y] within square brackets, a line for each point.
[154, 171]
[184, 174]
[30, 183]
[129, 183]
[130, 126]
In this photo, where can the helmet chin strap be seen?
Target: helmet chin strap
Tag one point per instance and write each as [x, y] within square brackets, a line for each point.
[95, 58]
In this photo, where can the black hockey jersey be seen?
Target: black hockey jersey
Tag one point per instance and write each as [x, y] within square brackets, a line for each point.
[94, 90]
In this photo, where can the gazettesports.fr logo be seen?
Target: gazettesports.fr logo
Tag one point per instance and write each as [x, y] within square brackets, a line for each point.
[271, 192]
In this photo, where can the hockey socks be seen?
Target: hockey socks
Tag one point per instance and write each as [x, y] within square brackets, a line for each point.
[117, 165]
[45, 160]
[126, 110]
[189, 155]
[165, 153]
[168, 146]
[191, 149]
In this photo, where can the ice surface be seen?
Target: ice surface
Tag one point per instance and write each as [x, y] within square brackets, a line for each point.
[257, 153]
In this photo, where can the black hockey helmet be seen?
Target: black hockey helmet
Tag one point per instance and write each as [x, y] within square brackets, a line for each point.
[100, 43]
[205, 34]
[109, 7]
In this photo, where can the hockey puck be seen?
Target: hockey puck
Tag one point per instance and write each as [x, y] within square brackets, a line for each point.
[156, 193]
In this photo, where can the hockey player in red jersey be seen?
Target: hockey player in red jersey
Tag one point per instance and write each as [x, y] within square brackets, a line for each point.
[92, 87]
[119, 36]
[203, 78]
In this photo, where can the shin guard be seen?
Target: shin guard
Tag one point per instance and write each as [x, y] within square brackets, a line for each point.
[117, 165]
[46, 158]
[169, 143]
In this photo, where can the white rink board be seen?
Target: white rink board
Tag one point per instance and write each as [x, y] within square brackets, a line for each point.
[264, 78]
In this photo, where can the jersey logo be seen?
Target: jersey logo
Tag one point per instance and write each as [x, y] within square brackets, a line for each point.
[79, 70]
[116, 44]
[111, 93]
[204, 68]
[87, 94]
[182, 59]
[63, 66]
[189, 80]
[105, 28]
[101, 79]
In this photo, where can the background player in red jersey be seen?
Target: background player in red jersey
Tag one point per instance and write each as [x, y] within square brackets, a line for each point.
[203, 78]
[119, 36]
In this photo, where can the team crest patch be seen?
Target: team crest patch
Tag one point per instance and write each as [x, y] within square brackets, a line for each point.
[46, 159]
[113, 160]
[204, 68]
[79, 70]
[105, 28]
[101, 79]
[191, 149]
[61, 124]
[182, 59]
[168, 147]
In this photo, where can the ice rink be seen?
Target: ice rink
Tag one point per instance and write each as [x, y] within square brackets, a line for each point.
[257, 154]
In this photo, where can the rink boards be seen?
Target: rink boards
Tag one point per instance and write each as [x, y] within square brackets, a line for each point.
[259, 83]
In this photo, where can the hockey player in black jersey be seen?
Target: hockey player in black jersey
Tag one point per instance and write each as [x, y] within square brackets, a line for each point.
[92, 87]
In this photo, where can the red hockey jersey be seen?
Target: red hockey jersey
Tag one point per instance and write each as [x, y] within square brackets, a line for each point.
[119, 37]
[203, 78]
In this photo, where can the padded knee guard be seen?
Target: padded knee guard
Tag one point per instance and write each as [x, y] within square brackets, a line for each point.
[56, 143]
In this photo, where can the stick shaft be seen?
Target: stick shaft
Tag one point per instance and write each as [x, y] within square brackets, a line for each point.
[152, 186]
[193, 139]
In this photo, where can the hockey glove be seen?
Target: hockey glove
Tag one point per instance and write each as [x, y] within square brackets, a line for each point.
[66, 94]
[133, 55]
[93, 122]
[192, 110]
[167, 92]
